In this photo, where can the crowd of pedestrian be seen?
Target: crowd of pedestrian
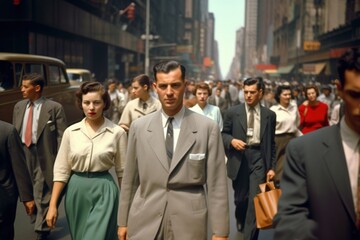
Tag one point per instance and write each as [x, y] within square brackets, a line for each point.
[172, 142]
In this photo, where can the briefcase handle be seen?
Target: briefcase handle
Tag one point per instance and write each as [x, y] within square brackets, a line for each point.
[267, 186]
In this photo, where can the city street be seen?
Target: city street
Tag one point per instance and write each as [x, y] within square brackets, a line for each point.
[24, 230]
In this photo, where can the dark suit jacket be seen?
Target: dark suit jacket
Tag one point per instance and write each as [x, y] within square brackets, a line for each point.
[222, 103]
[51, 126]
[316, 201]
[14, 177]
[235, 126]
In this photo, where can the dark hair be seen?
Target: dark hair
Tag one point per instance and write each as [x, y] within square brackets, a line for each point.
[203, 86]
[35, 79]
[256, 80]
[311, 87]
[350, 60]
[168, 66]
[143, 80]
[279, 90]
[87, 87]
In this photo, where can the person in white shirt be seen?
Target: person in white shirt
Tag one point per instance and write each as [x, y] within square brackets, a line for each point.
[118, 101]
[202, 93]
[287, 122]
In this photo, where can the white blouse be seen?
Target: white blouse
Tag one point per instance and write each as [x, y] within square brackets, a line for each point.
[79, 152]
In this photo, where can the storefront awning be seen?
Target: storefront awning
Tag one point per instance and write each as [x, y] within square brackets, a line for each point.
[286, 69]
[313, 68]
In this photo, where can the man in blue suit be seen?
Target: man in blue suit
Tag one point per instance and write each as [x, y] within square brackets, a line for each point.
[320, 184]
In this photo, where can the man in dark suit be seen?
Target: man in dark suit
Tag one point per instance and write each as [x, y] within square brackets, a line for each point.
[216, 100]
[174, 180]
[40, 123]
[14, 180]
[248, 134]
[320, 183]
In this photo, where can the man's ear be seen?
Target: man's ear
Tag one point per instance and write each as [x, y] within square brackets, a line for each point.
[339, 87]
[37, 88]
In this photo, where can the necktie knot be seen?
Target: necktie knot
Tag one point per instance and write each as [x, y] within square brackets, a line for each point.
[145, 106]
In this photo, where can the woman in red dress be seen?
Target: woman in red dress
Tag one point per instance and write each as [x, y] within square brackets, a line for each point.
[313, 113]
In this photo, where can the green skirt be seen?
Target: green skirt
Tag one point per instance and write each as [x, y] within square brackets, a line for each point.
[91, 206]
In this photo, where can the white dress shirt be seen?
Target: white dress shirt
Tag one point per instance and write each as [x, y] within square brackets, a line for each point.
[210, 111]
[350, 142]
[287, 119]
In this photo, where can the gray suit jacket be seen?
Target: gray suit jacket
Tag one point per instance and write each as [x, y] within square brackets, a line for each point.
[150, 186]
[51, 126]
[316, 200]
[235, 126]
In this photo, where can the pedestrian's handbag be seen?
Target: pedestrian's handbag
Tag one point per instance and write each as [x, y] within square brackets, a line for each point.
[265, 204]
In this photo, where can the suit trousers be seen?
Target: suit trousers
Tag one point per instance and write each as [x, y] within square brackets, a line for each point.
[8, 203]
[42, 192]
[246, 186]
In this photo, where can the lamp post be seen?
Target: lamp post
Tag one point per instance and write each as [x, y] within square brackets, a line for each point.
[147, 33]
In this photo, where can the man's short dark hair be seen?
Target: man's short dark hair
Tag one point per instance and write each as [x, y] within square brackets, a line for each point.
[168, 66]
[35, 79]
[255, 80]
[350, 60]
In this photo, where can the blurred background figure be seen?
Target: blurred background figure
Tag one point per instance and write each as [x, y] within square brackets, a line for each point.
[298, 95]
[123, 90]
[142, 103]
[15, 180]
[287, 122]
[327, 97]
[202, 93]
[313, 113]
[216, 100]
[88, 150]
[118, 101]
[189, 95]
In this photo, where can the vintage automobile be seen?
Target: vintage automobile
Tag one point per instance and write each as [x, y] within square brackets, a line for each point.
[57, 85]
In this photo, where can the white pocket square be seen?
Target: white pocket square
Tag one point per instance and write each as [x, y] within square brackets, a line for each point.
[197, 156]
[48, 122]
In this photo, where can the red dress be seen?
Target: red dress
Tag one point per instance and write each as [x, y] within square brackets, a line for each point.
[314, 117]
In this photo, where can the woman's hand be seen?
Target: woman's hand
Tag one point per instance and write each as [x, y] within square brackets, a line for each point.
[51, 217]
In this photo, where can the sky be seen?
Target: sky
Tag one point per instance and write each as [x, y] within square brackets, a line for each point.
[229, 17]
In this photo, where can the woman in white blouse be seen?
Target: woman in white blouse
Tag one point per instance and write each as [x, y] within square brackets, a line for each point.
[287, 122]
[88, 150]
[202, 92]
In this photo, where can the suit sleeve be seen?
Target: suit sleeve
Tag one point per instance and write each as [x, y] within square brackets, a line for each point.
[218, 204]
[227, 130]
[21, 173]
[292, 218]
[273, 144]
[61, 124]
[130, 181]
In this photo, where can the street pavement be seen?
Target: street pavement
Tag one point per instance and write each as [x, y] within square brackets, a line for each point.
[24, 229]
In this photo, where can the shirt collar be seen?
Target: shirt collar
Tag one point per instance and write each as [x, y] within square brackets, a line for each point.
[256, 108]
[177, 117]
[349, 136]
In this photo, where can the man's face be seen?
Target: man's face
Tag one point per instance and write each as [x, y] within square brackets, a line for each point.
[170, 89]
[137, 90]
[350, 93]
[201, 96]
[29, 91]
[252, 95]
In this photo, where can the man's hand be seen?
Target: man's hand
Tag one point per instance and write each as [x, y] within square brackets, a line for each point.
[238, 144]
[122, 233]
[270, 175]
[29, 207]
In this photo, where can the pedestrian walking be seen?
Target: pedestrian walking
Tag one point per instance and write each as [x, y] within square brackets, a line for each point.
[40, 123]
[320, 184]
[248, 134]
[88, 150]
[173, 155]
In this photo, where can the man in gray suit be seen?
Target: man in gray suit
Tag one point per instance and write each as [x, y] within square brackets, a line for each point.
[40, 123]
[320, 183]
[15, 180]
[174, 155]
[250, 149]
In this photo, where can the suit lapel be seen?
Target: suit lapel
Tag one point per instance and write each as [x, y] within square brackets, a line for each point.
[20, 115]
[334, 159]
[156, 139]
[186, 138]
[242, 117]
[263, 121]
[45, 115]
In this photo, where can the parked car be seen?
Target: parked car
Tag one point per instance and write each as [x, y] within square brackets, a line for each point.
[57, 86]
[78, 75]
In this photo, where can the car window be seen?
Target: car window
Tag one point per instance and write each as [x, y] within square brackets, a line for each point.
[6, 76]
[54, 74]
